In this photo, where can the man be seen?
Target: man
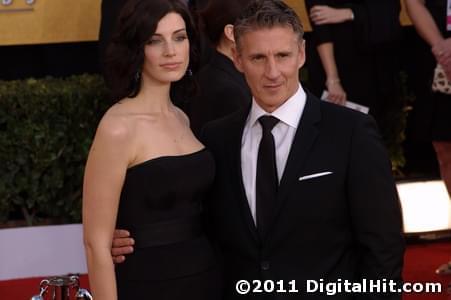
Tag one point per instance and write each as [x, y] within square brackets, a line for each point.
[304, 194]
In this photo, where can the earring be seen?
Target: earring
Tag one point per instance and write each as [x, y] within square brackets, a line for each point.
[137, 76]
[189, 73]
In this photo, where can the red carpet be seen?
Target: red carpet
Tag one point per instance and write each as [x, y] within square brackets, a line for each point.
[420, 262]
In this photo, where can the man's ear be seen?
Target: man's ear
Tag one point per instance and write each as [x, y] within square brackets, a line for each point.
[237, 59]
[228, 32]
[301, 53]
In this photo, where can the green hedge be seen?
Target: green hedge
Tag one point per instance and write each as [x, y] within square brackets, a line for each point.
[46, 128]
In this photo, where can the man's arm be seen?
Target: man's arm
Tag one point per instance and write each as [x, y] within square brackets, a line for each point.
[374, 207]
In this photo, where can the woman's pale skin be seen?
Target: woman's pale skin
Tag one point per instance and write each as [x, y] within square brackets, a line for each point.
[428, 30]
[320, 15]
[131, 132]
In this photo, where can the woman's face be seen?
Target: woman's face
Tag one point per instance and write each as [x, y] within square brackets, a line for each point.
[166, 54]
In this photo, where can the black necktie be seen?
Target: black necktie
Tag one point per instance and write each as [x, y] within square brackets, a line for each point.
[266, 180]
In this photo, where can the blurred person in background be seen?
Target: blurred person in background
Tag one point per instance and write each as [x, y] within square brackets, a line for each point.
[432, 21]
[109, 11]
[222, 88]
[353, 55]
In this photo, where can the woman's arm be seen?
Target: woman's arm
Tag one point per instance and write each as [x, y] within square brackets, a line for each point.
[428, 30]
[323, 14]
[322, 17]
[336, 92]
[423, 22]
[104, 176]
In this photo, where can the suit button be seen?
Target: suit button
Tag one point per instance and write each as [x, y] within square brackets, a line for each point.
[264, 265]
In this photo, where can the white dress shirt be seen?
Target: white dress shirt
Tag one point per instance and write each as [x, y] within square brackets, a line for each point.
[289, 115]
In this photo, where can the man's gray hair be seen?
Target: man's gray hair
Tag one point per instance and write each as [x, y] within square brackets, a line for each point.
[266, 14]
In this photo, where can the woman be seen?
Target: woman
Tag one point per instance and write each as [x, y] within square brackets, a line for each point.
[146, 172]
[430, 20]
[353, 54]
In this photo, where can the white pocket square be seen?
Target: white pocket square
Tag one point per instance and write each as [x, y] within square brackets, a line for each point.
[314, 175]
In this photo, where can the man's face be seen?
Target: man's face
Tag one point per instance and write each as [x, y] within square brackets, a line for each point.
[270, 59]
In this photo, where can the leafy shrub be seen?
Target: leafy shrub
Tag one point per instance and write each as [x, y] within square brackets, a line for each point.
[46, 128]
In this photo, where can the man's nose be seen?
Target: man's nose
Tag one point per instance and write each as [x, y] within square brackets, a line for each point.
[271, 69]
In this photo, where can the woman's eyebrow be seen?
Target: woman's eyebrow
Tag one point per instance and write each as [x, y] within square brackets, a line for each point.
[177, 31]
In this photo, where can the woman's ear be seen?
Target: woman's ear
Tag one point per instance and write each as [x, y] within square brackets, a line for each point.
[228, 32]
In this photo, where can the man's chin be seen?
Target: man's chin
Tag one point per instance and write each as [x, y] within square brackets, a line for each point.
[272, 102]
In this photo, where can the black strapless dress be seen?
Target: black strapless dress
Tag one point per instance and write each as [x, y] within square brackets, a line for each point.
[161, 203]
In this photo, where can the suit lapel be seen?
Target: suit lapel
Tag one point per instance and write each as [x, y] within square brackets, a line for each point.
[304, 138]
[236, 128]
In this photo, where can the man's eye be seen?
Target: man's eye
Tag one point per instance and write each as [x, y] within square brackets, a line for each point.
[257, 58]
[283, 55]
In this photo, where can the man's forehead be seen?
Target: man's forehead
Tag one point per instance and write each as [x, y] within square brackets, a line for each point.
[275, 39]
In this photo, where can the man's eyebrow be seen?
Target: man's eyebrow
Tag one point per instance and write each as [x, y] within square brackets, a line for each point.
[282, 52]
[286, 52]
[253, 55]
[175, 32]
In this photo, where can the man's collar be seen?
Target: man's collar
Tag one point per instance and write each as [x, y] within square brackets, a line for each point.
[289, 112]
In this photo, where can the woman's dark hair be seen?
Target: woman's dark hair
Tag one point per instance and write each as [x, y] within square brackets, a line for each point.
[217, 14]
[137, 22]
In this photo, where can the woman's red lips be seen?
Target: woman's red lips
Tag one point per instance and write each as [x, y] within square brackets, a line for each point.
[174, 65]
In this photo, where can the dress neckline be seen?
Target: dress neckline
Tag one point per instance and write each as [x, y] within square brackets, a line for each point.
[163, 157]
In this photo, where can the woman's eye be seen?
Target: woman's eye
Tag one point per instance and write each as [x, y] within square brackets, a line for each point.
[181, 38]
[153, 41]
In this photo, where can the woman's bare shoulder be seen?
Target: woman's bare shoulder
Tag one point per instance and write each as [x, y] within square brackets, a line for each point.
[115, 124]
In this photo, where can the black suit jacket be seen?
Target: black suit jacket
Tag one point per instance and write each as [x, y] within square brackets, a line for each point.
[346, 225]
[222, 91]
